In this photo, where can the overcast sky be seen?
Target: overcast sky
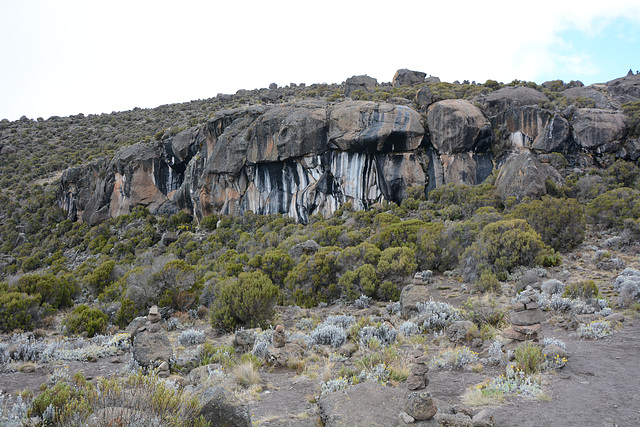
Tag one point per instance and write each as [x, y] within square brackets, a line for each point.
[70, 57]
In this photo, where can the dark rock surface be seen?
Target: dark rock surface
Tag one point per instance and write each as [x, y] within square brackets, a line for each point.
[511, 97]
[364, 83]
[221, 408]
[406, 77]
[598, 130]
[458, 126]
[523, 175]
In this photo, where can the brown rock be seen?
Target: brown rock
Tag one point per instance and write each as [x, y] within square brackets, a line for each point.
[416, 382]
[420, 405]
[419, 369]
[458, 126]
[527, 317]
[512, 334]
[279, 339]
[518, 306]
[528, 329]
[532, 306]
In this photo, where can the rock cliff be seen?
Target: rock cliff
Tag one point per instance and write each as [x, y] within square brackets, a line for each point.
[311, 157]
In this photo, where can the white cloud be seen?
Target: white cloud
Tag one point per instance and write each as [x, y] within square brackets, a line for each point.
[65, 57]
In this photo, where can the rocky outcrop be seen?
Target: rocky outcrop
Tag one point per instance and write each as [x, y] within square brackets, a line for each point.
[298, 160]
[458, 126]
[627, 88]
[406, 77]
[533, 127]
[600, 99]
[364, 83]
[222, 408]
[511, 97]
[600, 131]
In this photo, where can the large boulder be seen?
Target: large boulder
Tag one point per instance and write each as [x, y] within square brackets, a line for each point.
[410, 296]
[589, 92]
[511, 97]
[598, 130]
[374, 127]
[462, 168]
[533, 127]
[222, 408]
[458, 126]
[365, 404]
[628, 87]
[406, 77]
[84, 192]
[151, 349]
[364, 83]
[285, 132]
[523, 175]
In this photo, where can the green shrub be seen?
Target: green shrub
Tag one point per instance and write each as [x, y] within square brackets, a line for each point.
[488, 282]
[502, 246]
[397, 264]
[585, 289]
[126, 313]
[100, 278]
[86, 319]
[362, 280]
[611, 209]
[248, 300]
[55, 291]
[18, 311]
[560, 222]
[529, 358]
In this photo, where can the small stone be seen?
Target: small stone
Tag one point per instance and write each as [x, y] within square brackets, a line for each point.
[518, 306]
[462, 409]
[279, 328]
[528, 329]
[483, 418]
[416, 382]
[154, 310]
[552, 351]
[454, 420]
[416, 353]
[512, 334]
[615, 317]
[525, 300]
[408, 419]
[279, 339]
[154, 318]
[527, 317]
[532, 305]
[424, 360]
[419, 369]
[164, 366]
[420, 405]
[164, 374]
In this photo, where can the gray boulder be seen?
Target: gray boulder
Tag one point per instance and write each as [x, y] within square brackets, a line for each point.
[458, 330]
[533, 127]
[458, 126]
[527, 317]
[308, 247]
[597, 130]
[374, 127]
[410, 296]
[406, 77]
[626, 87]
[222, 409]
[511, 97]
[151, 349]
[364, 83]
[420, 405]
[523, 175]
[596, 96]
[630, 150]
[424, 97]
[365, 404]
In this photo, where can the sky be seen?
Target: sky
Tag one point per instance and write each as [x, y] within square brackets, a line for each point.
[91, 56]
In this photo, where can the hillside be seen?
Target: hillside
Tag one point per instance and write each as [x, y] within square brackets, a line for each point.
[370, 220]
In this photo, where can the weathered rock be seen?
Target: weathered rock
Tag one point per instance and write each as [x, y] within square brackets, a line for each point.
[364, 83]
[283, 356]
[202, 374]
[417, 382]
[626, 87]
[244, 339]
[221, 408]
[510, 97]
[596, 96]
[365, 404]
[630, 150]
[454, 420]
[552, 286]
[462, 168]
[279, 338]
[410, 296]
[420, 405]
[483, 418]
[512, 334]
[552, 351]
[406, 77]
[517, 306]
[598, 130]
[135, 324]
[615, 317]
[523, 175]
[459, 330]
[531, 330]
[151, 349]
[527, 317]
[374, 127]
[419, 369]
[458, 126]
[533, 127]
[424, 97]
[168, 238]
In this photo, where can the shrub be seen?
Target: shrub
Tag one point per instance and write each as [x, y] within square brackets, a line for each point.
[529, 358]
[460, 357]
[328, 334]
[397, 263]
[611, 209]
[596, 329]
[383, 333]
[126, 313]
[559, 222]
[86, 319]
[18, 311]
[362, 280]
[248, 300]
[437, 315]
[501, 247]
[632, 110]
[56, 291]
[100, 278]
[488, 282]
[191, 337]
[585, 290]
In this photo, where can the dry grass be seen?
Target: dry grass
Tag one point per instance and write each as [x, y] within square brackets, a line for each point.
[327, 370]
[245, 374]
[474, 398]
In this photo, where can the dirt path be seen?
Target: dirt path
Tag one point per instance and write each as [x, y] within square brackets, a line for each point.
[600, 386]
